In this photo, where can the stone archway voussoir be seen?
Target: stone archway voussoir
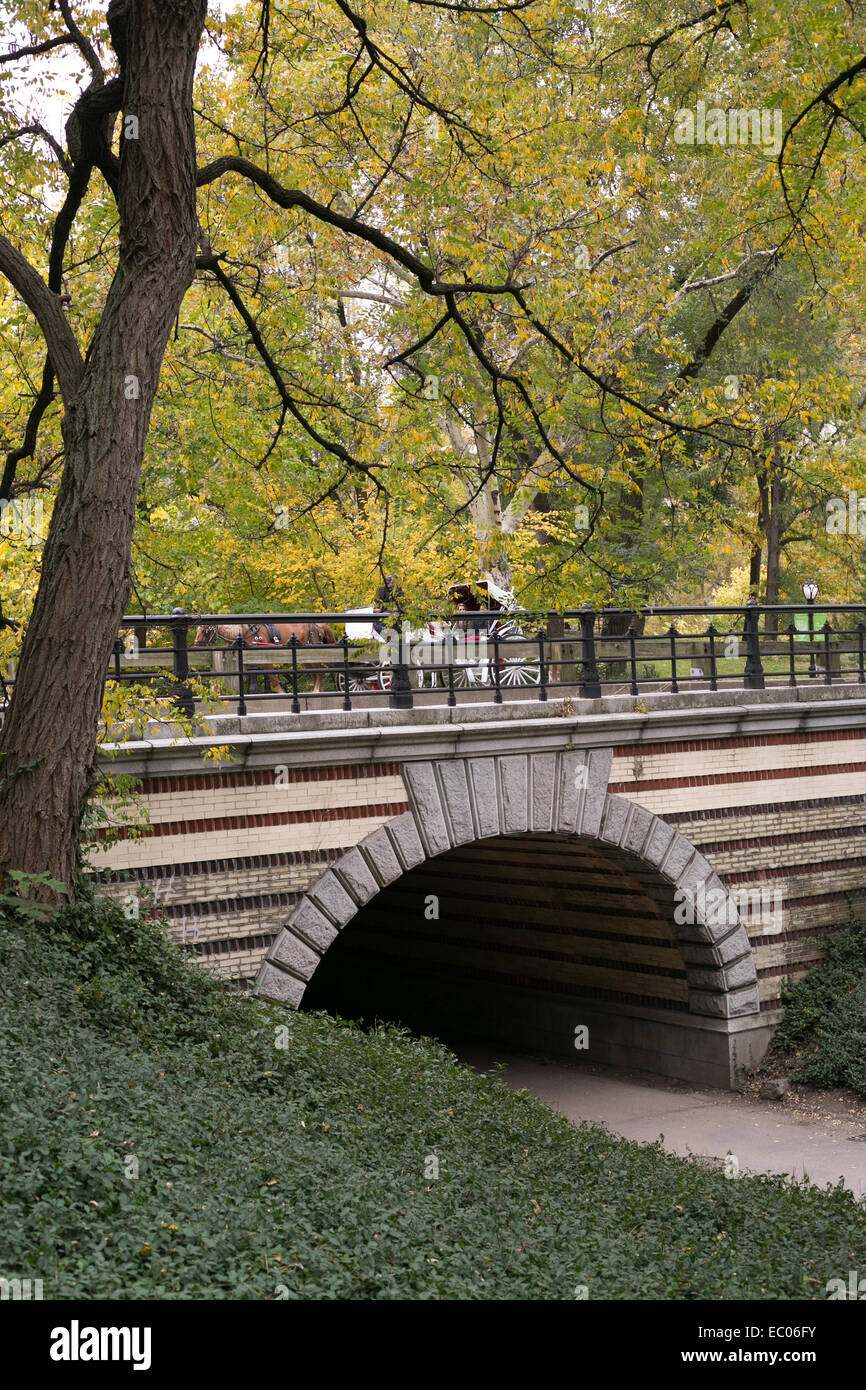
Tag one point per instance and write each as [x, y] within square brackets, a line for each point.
[425, 799]
[406, 842]
[457, 802]
[331, 898]
[460, 801]
[356, 876]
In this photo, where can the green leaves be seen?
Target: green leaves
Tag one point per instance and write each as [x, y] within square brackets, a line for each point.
[307, 1168]
[822, 1036]
[22, 908]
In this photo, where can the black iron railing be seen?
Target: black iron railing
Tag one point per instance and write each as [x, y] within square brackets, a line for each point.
[455, 657]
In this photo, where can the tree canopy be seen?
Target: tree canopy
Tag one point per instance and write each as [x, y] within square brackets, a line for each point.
[292, 296]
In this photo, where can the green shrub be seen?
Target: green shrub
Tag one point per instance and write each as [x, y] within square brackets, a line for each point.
[157, 1141]
[822, 1036]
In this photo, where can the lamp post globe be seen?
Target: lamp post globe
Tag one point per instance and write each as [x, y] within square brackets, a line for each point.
[810, 593]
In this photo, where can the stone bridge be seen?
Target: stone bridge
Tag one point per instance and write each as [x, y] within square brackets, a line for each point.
[628, 882]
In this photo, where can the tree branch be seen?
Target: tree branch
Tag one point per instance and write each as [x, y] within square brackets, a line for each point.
[35, 128]
[31, 430]
[82, 43]
[33, 49]
[333, 446]
[48, 312]
[293, 198]
[823, 97]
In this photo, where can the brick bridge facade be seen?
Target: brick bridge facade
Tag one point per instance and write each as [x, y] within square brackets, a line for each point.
[618, 881]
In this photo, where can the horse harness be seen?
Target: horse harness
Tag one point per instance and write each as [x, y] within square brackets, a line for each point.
[264, 634]
[273, 635]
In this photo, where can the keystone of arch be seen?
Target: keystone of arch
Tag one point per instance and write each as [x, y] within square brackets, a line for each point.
[462, 800]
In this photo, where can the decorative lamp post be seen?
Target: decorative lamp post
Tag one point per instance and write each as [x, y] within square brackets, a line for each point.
[810, 593]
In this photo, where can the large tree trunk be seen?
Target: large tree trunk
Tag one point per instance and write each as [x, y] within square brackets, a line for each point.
[48, 742]
[755, 558]
[771, 494]
[774, 538]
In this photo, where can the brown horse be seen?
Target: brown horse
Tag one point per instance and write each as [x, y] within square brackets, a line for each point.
[257, 636]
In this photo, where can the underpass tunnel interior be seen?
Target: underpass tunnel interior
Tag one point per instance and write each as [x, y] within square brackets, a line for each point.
[519, 941]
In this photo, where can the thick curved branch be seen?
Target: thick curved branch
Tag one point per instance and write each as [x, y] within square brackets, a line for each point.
[88, 130]
[48, 312]
[32, 50]
[35, 128]
[31, 430]
[293, 198]
[823, 98]
[726, 317]
[82, 43]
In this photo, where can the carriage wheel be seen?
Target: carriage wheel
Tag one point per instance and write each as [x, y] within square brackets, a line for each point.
[358, 683]
[516, 670]
[468, 675]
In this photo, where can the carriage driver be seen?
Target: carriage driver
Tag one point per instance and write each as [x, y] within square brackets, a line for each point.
[388, 595]
[491, 599]
[467, 601]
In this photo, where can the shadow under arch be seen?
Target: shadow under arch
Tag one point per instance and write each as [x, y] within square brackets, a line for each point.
[518, 895]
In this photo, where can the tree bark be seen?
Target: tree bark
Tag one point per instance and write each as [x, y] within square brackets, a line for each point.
[774, 537]
[755, 559]
[771, 496]
[49, 739]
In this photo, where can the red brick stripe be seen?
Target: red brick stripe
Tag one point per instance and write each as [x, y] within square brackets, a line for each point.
[796, 837]
[718, 779]
[634, 750]
[816, 866]
[207, 867]
[200, 827]
[219, 780]
[763, 808]
[796, 967]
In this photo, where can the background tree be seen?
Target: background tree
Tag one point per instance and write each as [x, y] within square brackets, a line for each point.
[347, 201]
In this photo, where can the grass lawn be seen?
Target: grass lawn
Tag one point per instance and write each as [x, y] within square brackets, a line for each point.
[161, 1138]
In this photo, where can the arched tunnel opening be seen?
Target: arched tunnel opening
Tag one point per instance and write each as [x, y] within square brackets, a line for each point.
[538, 942]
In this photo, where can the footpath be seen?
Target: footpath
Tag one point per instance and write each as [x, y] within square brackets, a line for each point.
[821, 1135]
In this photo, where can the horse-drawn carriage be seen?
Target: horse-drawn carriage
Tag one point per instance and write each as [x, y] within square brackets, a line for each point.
[468, 650]
[476, 648]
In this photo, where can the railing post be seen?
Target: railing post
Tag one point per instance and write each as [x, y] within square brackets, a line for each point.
[828, 654]
[792, 669]
[590, 683]
[296, 704]
[714, 674]
[672, 635]
[632, 656]
[497, 674]
[555, 633]
[180, 663]
[347, 703]
[753, 677]
[861, 678]
[542, 682]
[452, 698]
[238, 644]
[118, 653]
[400, 696]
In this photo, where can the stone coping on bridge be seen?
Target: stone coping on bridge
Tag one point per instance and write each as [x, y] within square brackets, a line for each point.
[406, 735]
